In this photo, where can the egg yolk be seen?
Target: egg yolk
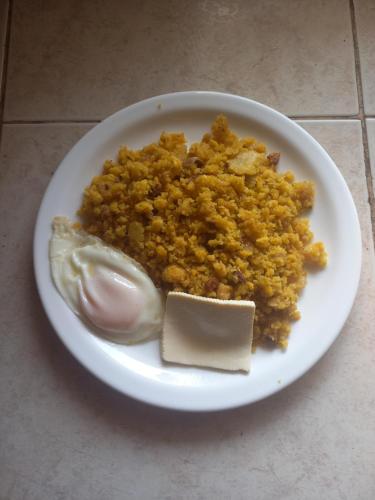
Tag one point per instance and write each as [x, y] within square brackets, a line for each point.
[110, 301]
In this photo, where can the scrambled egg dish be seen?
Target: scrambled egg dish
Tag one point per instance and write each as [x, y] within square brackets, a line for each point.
[214, 219]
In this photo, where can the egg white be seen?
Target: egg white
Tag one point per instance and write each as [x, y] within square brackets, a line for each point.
[75, 255]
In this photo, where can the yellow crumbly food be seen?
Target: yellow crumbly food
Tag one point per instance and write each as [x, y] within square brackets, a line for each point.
[216, 220]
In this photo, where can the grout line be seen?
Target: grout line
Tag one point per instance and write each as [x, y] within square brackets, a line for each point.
[324, 117]
[357, 62]
[5, 64]
[46, 122]
[369, 180]
[72, 121]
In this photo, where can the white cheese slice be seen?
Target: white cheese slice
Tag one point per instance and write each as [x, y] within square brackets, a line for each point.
[207, 332]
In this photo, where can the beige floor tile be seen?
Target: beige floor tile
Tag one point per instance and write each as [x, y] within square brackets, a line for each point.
[365, 18]
[84, 60]
[371, 143]
[3, 27]
[66, 435]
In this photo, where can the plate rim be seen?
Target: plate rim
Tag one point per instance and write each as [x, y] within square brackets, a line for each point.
[239, 101]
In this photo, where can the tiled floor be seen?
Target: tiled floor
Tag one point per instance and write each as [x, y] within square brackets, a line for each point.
[371, 137]
[3, 31]
[64, 435]
[255, 49]
[365, 10]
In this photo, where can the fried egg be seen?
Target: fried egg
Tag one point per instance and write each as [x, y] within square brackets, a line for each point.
[104, 286]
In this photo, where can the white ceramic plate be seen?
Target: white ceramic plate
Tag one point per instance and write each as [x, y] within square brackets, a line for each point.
[325, 304]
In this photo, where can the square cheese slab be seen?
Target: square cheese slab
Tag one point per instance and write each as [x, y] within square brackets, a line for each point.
[207, 332]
